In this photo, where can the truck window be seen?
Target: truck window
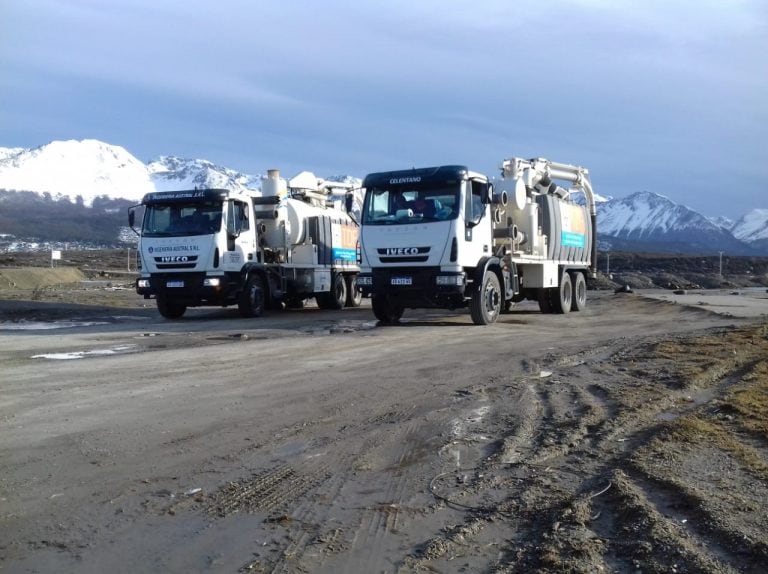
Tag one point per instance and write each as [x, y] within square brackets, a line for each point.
[408, 204]
[181, 219]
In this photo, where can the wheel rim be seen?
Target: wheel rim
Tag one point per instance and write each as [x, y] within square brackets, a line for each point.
[492, 300]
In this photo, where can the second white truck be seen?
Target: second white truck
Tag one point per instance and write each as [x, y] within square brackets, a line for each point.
[447, 237]
[289, 242]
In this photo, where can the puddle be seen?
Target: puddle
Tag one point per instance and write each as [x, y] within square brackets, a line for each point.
[47, 325]
[123, 349]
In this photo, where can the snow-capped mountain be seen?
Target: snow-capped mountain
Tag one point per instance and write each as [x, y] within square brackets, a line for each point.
[87, 168]
[753, 229]
[170, 173]
[646, 219]
[91, 169]
[99, 172]
[722, 221]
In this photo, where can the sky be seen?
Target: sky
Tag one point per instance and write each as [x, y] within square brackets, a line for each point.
[667, 96]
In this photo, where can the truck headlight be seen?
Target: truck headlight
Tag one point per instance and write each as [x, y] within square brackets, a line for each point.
[450, 280]
[143, 283]
[366, 280]
[212, 282]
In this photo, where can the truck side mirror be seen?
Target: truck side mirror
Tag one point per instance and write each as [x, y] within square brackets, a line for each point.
[132, 219]
[233, 225]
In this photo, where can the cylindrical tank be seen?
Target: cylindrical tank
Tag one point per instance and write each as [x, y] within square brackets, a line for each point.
[289, 226]
[273, 185]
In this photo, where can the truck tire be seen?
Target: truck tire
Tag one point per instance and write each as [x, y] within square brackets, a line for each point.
[354, 294]
[579, 291]
[170, 310]
[563, 295]
[252, 300]
[487, 301]
[386, 311]
[336, 298]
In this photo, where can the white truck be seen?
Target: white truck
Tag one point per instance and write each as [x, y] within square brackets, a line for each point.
[447, 237]
[289, 242]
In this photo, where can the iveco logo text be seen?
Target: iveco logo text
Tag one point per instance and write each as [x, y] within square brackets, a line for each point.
[402, 250]
[397, 180]
[169, 259]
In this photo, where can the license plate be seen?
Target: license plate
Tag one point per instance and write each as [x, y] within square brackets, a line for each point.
[175, 284]
[401, 281]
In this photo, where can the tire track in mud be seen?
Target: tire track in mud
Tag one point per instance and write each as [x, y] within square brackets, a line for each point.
[597, 518]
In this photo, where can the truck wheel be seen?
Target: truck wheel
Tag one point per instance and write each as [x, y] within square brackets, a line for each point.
[252, 300]
[170, 310]
[545, 300]
[563, 295]
[354, 294]
[579, 292]
[486, 301]
[385, 310]
[336, 298]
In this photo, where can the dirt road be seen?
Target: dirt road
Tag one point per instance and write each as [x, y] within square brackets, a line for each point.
[628, 438]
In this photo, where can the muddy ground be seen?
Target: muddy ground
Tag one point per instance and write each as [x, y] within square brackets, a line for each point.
[631, 437]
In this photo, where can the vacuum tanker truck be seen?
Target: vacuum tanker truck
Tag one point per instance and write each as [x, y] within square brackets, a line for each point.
[447, 237]
[289, 242]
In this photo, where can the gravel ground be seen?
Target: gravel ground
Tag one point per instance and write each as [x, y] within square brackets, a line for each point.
[631, 437]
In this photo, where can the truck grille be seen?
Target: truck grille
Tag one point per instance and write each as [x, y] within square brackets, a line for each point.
[176, 262]
[403, 254]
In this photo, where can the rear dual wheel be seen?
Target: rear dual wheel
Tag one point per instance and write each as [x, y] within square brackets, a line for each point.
[571, 295]
[579, 292]
[336, 298]
[557, 299]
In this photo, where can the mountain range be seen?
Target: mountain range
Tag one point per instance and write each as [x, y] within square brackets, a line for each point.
[80, 180]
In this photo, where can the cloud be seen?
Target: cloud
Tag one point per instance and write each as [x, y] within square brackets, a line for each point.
[638, 92]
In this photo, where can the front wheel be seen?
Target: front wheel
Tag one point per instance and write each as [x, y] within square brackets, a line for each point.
[386, 311]
[169, 309]
[253, 298]
[487, 301]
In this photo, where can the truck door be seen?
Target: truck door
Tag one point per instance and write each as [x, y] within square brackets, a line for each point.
[241, 242]
[477, 232]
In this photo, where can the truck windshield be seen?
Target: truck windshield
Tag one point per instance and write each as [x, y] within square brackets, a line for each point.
[411, 204]
[181, 219]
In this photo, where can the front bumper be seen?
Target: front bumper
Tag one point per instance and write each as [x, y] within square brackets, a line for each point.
[190, 289]
[416, 287]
